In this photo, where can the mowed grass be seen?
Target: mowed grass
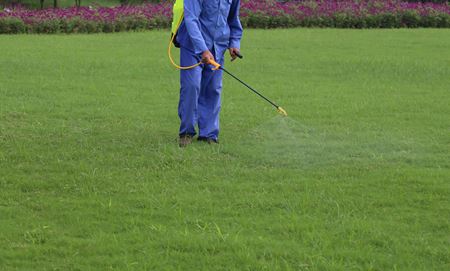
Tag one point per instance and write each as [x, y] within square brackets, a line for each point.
[356, 178]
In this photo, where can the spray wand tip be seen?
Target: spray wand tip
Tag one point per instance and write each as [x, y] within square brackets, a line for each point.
[282, 111]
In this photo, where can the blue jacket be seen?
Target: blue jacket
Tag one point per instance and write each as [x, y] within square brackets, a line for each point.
[210, 24]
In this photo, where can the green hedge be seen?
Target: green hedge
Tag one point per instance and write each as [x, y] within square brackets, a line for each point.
[388, 20]
[9, 25]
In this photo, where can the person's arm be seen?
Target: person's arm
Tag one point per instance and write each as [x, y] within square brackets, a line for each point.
[235, 25]
[192, 10]
[235, 29]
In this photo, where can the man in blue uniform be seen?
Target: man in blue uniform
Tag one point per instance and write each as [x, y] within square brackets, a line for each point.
[209, 28]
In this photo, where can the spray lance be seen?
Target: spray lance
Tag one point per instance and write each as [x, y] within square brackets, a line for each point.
[178, 14]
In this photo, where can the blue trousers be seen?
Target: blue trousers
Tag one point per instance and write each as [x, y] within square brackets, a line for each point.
[200, 91]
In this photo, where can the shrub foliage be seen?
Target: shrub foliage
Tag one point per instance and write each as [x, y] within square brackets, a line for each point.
[254, 14]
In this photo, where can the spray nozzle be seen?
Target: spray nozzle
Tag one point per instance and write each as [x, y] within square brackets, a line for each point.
[282, 111]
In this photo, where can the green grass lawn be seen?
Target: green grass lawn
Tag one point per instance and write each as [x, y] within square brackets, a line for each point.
[356, 178]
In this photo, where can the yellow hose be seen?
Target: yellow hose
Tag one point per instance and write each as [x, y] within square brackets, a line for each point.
[169, 51]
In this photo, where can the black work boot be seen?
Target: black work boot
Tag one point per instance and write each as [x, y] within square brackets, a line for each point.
[212, 141]
[208, 140]
[185, 140]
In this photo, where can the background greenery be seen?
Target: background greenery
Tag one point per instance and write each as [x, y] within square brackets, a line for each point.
[356, 178]
[68, 3]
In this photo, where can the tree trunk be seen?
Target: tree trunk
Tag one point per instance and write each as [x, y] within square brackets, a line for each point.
[55, 3]
[42, 3]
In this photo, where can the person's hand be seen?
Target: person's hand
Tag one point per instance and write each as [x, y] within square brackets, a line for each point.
[234, 52]
[207, 56]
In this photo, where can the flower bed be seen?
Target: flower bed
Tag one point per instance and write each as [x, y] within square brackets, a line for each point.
[255, 13]
[86, 19]
[345, 14]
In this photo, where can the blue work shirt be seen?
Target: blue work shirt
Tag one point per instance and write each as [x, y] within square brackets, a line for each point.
[210, 24]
